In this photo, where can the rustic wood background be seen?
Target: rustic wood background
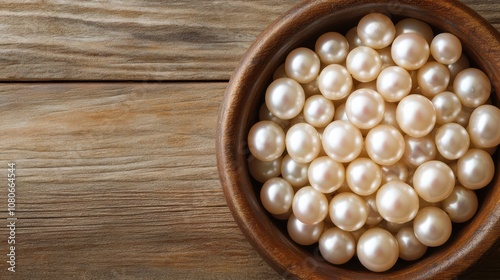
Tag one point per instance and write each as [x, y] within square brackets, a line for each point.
[108, 108]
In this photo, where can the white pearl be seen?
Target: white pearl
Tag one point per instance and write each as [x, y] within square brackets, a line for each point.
[410, 51]
[337, 246]
[325, 174]
[276, 196]
[397, 171]
[302, 65]
[376, 30]
[446, 48]
[433, 78]
[342, 141]
[365, 108]
[285, 98]
[363, 176]
[374, 217]
[340, 114]
[397, 202]
[472, 87]
[433, 181]
[348, 211]
[335, 82]
[318, 111]
[419, 150]
[452, 140]
[461, 204]
[309, 205]
[304, 234]
[410, 248]
[303, 143]
[432, 226]
[377, 250]
[394, 83]
[416, 115]
[385, 145]
[475, 169]
[364, 64]
[484, 128]
[266, 115]
[448, 107]
[411, 25]
[264, 170]
[455, 68]
[294, 172]
[266, 140]
[353, 38]
[332, 47]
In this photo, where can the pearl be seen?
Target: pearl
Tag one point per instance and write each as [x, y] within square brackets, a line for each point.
[484, 127]
[304, 234]
[394, 83]
[432, 226]
[410, 51]
[302, 65]
[385, 145]
[337, 246]
[363, 176]
[294, 172]
[410, 248]
[472, 87]
[411, 25]
[318, 111]
[419, 150]
[276, 196]
[433, 78]
[311, 88]
[309, 205]
[455, 68]
[325, 174]
[386, 57]
[376, 30]
[373, 216]
[475, 169]
[332, 47]
[340, 114]
[394, 172]
[397, 202]
[446, 48]
[365, 108]
[464, 116]
[348, 211]
[266, 141]
[342, 141]
[353, 38]
[335, 82]
[447, 106]
[264, 170]
[416, 115]
[461, 205]
[433, 181]
[266, 115]
[394, 228]
[303, 143]
[377, 250]
[390, 115]
[452, 141]
[364, 64]
[280, 72]
[285, 98]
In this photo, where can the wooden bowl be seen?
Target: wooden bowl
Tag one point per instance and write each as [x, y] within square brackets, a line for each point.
[239, 111]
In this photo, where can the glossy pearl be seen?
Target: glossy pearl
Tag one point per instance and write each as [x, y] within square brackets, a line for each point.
[419, 150]
[376, 30]
[266, 115]
[377, 250]
[394, 83]
[348, 211]
[303, 143]
[285, 98]
[340, 114]
[342, 141]
[365, 108]
[318, 111]
[390, 115]
[397, 202]
[416, 115]
[373, 216]
[353, 38]
[394, 172]
[332, 47]
[264, 170]
[472, 87]
[326, 175]
[363, 176]
[446, 48]
[410, 51]
[484, 126]
[411, 25]
[386, 57]
[337, 246]
[464, 116]
[455, 68]
[294, 172]
[452, 140]
[302, 65]
[266, 140]
[475, 169]
[304, 234]
[447, 106]
[335, 82]
[276, 196]
[309, 205]
[433, 181]
[432, 226]
[364, 64]
[410, 248]
[461, 204]
[385, 145]
[311, 88]
[433, 78]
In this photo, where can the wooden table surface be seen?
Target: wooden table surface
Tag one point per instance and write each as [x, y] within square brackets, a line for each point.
[109, 110]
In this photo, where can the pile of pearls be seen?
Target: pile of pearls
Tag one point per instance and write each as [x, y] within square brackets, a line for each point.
[374, 143]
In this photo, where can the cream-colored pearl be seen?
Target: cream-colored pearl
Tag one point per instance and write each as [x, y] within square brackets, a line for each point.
[433, 78]
[325, 174]
[285, 98]
[340, 114]
[266, 140]
[266, 115]
[294, 172]
[337, 246]
[419, 150]
[410, 248]
[303, 143]
[452, 140]
[394, 228]
[410, 51]
[394, 172]
[397, 202]
[416, 115]
[446, 48]
[276, 196]
[433, 181]
[374, 217]
[311, 88]
[390, 115]
[394, 83]
[386, 57]
[264, 170]
[309, 205]
[302, 65]
[365, 108]
[448, 107]
[304, 234]
[455, 68]
[342, 141]
[377, 250]
[332, 47]
[348, 211]
[475, 169]
[353, 39]
[385, 145]
[335, 82]
[484, 126]
[461, 204]
[472, 87]
[364, 64]
[376, 30]
[411, 25]
[432, 226]
[318, 111]
[363, 176]
[464, 116]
